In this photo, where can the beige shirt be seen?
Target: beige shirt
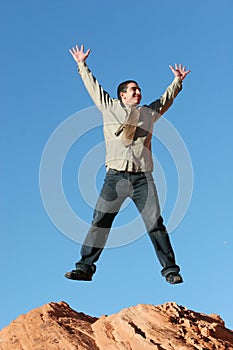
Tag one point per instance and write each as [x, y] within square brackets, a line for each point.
[137, 157]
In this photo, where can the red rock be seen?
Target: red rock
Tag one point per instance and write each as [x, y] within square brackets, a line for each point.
[55, 326]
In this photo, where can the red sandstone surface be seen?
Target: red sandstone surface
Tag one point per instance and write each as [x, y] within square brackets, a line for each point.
[55, 326]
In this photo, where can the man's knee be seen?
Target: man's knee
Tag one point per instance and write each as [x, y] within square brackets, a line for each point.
[103, 220]
[157, 225]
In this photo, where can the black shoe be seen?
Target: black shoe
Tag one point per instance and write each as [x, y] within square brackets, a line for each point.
[78, 275]
[174, 278]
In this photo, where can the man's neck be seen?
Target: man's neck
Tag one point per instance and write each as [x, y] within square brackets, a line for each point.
[128, 105]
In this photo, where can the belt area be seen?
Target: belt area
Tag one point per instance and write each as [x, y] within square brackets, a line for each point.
[130, 172]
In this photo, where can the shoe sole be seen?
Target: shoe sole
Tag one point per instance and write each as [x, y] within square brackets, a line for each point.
[174, 279]
[78, 276]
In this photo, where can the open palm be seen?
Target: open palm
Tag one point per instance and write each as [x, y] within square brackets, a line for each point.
[78, 54]
[179, 71]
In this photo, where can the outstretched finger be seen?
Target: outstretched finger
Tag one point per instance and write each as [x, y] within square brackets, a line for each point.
[186, 73]
[88, 51]
[72, 51]
[171, 67]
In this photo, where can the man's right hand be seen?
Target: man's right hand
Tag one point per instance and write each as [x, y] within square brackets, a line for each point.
[78, 54]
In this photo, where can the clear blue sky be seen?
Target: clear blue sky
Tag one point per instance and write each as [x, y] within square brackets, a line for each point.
[40, 89]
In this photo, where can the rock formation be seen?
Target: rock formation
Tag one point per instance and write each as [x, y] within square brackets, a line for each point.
[55, 326]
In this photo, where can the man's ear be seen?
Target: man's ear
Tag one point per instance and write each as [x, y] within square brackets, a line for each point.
[122, 94]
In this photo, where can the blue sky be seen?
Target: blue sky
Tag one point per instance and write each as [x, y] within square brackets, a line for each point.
[41, 89]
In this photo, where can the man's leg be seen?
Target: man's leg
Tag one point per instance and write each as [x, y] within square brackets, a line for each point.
[112, 196]
[95, 240]
[146, 199]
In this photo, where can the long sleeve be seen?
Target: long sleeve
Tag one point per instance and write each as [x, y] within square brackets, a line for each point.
[166, 100]
[99, 96]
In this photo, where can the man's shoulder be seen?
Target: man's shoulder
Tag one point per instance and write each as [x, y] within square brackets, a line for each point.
[116, 103]
[147, 108]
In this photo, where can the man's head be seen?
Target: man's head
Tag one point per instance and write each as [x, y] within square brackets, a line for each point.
[129, 93]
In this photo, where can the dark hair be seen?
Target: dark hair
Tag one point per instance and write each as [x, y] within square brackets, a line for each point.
[122, 87]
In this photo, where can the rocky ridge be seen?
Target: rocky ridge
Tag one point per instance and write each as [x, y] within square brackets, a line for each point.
[55, 326]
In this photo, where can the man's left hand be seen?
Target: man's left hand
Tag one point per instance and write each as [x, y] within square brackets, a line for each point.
[179, 71]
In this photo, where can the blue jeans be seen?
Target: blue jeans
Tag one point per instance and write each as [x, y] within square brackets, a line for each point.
[141, 189]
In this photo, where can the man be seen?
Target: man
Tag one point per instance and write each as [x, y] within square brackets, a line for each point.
[128, 131]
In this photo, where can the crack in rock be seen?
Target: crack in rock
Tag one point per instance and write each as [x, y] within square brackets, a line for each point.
[137, 329]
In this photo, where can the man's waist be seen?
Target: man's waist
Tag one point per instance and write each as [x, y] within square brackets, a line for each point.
[128, 171]
[130, 166]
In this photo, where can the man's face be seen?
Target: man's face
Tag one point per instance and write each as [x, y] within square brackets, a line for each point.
[132, 96]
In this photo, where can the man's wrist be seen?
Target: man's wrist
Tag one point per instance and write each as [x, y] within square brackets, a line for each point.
[80, 63]
[178, 79]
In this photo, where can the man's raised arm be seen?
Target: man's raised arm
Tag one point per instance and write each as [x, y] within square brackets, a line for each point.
[100, 97]
[165, 101]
